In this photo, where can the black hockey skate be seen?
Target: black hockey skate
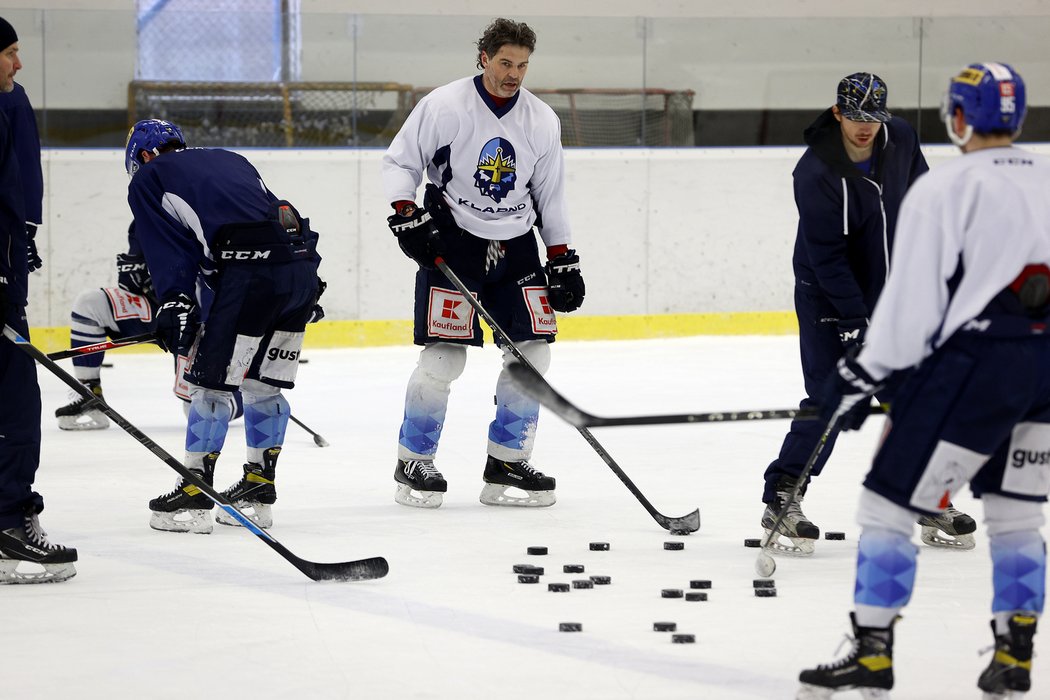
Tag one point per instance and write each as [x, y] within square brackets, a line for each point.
[78, 414]
[419, 483]
[254, 493]
[26, 555]
[185, 509]
[521, 476]
[868, 668]
[795, 526]
[1009, 675]
[952, 529]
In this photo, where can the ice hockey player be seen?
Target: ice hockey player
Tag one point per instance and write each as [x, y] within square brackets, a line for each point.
[492, 152]
[204, 218]
[968, 297]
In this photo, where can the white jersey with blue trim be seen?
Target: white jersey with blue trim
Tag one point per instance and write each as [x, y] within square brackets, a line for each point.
[501, 167]
[985, 215]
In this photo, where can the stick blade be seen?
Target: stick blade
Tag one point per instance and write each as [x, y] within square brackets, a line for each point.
[358, 570]
[537, 387]
[682, 526]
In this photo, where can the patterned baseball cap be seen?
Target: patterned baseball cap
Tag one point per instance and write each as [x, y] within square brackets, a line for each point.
[861, 97]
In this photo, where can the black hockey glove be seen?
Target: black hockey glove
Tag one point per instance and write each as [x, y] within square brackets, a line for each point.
[416, 234]
[565, 282]
[317, 312]
[133, 275]
[35, 262]
[847, 394]
[851, 332]
[178, 321]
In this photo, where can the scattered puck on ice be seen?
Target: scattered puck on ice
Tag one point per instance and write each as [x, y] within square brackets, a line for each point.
[599, 546]
[570, 626]
[583, 583]
[674, 545]
[834, 535]
[700, 583]
[696, 595]
[528, 578]
[665, 626]
[765, 583]
[558, 587]
[528, 569]
[765, 593]
[683, 638]
[573, 568]
[756, 542]
[601, 580]
[536, 550]
[304, 360]
[671, 593]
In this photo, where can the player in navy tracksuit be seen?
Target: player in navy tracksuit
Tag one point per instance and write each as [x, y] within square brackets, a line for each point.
[205, 219]
[848, 189]
[15, 104]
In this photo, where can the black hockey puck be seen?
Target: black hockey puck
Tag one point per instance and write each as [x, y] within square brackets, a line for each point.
[674, 545]
[528, 569]
[570, 626]
[764, 583]
[599, 546]
[700, 583]
[665, 626]
[601, 580]
[671, 593]
[750, 542]
[834, 535]
[573, 568]
[558, 587]
[583, 583]
[696, 595]
[536, 550]
[765, 593]
[528, 578]
[683, 638]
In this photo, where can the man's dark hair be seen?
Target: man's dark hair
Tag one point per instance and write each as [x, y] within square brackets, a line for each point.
[502, 32]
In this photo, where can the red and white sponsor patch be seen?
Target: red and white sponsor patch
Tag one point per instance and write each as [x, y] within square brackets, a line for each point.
[449, 315]
[127, 305]
[540, 310]
[182, 387]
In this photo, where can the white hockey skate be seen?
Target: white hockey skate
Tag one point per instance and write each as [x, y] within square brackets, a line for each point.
[796, 536]
[952, 529]
[78, 415]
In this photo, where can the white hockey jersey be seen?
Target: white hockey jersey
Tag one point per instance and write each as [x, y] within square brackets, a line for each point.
[501, 167]
[987, 211]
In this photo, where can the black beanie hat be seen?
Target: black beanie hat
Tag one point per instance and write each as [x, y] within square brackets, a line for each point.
[7, 34]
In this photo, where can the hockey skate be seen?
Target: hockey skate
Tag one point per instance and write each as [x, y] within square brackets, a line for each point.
[952, 529]
[419, 483]
[254, 493]
[868, 668]
[795, 526]
[522, 477]
[80, 414]
[185, 508]
[26, 555]
[1009, 675]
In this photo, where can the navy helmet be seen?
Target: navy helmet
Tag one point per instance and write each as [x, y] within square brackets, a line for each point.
[861, 97]
[149, 135]
[992, 99]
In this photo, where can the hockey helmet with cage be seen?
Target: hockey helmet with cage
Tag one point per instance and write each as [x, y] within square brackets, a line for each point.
[149, 135]
[991, 97]
[861, 97]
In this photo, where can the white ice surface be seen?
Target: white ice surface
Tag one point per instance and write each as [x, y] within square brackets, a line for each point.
[161, 615]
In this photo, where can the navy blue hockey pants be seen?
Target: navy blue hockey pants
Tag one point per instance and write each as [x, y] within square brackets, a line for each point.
[19, 426]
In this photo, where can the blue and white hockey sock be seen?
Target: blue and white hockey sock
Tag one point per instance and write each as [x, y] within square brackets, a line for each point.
[885, 576]
[208, 420]
[513, 432]
[265, 423]
[1018, 575]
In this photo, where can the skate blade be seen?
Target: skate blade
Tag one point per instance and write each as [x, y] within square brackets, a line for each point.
[1005, 695]
[195, 521]
[92, 420]
[799, 547]
[30, 572]
[816, 692]
[503, 495]
[938, 538]
[259, 513]
[407, 496]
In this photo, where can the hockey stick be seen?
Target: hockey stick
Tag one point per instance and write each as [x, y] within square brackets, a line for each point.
[357, 570]
[539, 389]
[102, 347]
[681, 525]
[318, 439]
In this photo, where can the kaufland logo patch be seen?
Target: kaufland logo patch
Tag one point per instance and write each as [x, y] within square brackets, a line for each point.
[127, 305]
[449, 315]
[543, 320]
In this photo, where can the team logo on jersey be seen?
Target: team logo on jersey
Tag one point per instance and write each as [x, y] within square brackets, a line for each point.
[496, 173]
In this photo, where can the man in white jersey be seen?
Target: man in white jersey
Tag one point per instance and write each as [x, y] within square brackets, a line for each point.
[491, 151]
[966, 306]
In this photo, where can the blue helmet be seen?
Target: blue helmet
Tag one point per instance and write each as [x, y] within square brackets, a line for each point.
[861, 97]
[992, 99]
[149, 135]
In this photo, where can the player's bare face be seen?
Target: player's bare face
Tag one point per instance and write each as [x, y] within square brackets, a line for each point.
[9, 65]
[860, 135]
[505, 71]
